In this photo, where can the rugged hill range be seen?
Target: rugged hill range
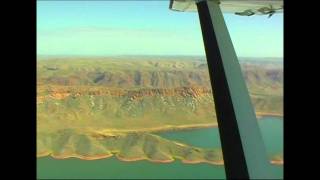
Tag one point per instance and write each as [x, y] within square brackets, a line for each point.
[80, 97]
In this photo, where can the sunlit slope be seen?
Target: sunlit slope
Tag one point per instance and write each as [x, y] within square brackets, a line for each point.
[125, 110]
[125, 146]
[122, 73]
[95, 108]
[266, 77]
[129, 95]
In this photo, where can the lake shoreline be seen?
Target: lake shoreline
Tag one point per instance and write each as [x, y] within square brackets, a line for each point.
[277, 162]
[98, 157]
[171, 128]
[216, 163]
[165, 129]
[162, 129]
[263, 115]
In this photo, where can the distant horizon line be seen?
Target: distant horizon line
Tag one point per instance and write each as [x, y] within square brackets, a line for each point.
[146, 55]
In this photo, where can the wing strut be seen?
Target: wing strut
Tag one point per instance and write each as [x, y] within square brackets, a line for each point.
[244, 152]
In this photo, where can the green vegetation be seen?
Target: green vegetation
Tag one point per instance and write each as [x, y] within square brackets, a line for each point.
[125, 146]
[99, 107]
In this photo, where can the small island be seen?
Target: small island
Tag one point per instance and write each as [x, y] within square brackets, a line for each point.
[277, 160]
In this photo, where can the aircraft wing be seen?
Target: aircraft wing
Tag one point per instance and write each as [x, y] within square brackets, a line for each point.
[239, 7]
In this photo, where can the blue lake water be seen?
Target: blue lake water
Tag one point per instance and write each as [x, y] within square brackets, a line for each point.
[271, 129]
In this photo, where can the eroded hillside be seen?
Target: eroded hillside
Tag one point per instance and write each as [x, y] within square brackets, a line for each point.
[86, 97]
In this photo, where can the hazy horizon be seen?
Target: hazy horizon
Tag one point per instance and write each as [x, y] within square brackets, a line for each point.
[99, 28]
[133, 56]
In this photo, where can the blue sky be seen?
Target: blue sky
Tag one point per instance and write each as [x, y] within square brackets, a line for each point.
[144, 28]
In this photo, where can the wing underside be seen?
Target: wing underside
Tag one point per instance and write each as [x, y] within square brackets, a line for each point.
[239, 7]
